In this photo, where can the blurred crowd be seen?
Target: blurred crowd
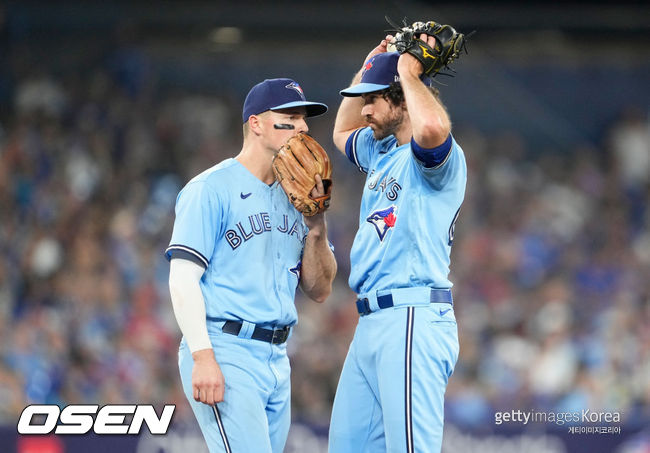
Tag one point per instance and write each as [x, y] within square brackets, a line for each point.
[550, 262]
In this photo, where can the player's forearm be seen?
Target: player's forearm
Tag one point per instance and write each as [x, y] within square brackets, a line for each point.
[318, 265]
[429, 118]
[188, 303]
[348, 117]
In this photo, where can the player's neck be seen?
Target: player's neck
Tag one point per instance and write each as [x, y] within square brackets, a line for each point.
[258, 163]
[404, 133]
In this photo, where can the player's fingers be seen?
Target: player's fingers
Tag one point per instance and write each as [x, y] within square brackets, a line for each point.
[202, 395]
[218, 394]
[430, 40]
[209, 398]
[320, 189]
[196, 393]
[220, 388]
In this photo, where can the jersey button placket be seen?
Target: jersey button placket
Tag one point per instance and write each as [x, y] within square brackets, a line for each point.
[277, 238]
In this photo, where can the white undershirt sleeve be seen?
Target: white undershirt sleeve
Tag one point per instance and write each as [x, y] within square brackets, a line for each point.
[188, 302]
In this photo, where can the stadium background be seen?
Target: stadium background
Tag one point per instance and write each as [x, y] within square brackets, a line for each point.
[106, 110]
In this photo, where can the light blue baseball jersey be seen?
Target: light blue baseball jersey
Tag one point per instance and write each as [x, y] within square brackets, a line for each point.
[390, 396]
[248, 236]
[407, 214]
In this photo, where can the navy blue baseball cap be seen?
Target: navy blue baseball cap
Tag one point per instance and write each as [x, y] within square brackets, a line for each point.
[277, 94]
[378, 73]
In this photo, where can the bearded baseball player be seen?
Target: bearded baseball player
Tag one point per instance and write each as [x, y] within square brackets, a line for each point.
[238, 251]
[392, 126]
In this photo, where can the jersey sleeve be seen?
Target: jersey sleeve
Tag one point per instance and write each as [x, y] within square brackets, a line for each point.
[197, 225]
[448, 160]
[360, 148]
[432, 157]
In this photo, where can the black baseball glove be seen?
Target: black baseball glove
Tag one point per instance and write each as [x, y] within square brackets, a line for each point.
[449, 44]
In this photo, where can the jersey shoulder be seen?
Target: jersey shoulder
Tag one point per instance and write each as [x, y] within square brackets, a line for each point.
[218, 176]
[362, 148]
[383, 145]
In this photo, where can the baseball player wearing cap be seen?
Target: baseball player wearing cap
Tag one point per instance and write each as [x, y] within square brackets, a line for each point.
[237, 253]
[395, 130]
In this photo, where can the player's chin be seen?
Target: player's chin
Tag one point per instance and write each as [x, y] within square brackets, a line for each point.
[378, 133]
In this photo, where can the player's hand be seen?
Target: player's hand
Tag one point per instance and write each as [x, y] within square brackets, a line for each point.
[317, 221]
[408, 65]
[208, 383]
[381, 48]
[319, 188]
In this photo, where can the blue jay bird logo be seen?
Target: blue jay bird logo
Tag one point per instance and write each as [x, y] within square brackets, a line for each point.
[296, 270]
[383, 220]
[296, 87]
[368, 65]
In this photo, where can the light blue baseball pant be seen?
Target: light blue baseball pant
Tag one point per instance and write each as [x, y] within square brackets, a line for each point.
[256, 412]
[390, 396]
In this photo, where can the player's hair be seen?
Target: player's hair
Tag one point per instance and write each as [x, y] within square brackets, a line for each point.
[395, 95]
[245, 129]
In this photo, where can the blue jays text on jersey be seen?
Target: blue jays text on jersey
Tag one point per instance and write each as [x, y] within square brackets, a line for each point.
[384, 183]
[407, 214]
[248, 236]
[261, 223]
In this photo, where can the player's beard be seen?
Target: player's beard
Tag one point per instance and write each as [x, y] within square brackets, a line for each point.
[389, 126]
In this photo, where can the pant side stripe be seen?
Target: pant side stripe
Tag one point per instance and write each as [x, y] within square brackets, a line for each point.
[222, 430]
[408, 397]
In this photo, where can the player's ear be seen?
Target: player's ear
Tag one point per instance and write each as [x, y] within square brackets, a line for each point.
[255, 124]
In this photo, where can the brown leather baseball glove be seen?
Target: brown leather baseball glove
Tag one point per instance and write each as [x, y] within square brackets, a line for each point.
[296, 165]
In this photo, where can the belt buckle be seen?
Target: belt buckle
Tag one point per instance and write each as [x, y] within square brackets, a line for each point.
[363, 306]
[280, 335]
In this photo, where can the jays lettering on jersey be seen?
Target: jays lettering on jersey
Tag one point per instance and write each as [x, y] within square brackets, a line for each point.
[407, 214]
[248, 236]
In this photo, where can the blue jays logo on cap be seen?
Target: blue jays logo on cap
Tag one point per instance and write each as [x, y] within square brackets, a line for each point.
[278, 94]
[295, 86]
[383, 220]
[378, 73]
[367, 66]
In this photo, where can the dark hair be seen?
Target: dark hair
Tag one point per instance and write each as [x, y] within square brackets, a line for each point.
[395, 95]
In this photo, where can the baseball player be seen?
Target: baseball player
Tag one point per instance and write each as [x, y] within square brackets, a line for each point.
[238, 251]
[395, 130]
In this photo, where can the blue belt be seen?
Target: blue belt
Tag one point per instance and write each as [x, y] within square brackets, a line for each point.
[403, 297]
[276, 335]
